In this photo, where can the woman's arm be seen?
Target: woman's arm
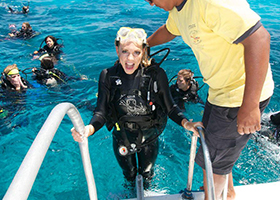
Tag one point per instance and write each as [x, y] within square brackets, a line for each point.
[99, 116]
[173, 110]
[103, 100]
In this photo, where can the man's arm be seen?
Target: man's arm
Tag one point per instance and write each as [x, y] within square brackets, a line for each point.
[162, 35]
[256, 54]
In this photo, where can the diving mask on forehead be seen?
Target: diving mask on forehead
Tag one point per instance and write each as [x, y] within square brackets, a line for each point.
[13, 72]
[137, 34]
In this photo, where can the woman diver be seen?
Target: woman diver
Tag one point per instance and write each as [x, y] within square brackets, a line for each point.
[25, 32]
[11, 79]
[14, 89]
[134, 99]
[52, 48]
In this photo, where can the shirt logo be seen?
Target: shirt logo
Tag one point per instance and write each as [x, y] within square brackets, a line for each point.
[118, 82]
[195, 39]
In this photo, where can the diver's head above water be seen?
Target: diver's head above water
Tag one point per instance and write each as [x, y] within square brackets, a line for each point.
[25, 9]
[131, 48]
[26, 27]
[51, 41]
[184, 78]
[47, 63]
[12, 75]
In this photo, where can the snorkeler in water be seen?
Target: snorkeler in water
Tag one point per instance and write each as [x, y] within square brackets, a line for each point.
[52, 48]
[25, 32]
[25, 10]
[50, 76]
[11, 79]
[47, 74]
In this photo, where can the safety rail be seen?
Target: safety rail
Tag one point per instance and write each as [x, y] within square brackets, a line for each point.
[139, 187]
[208, 167]
[187, 194]
[26, 174]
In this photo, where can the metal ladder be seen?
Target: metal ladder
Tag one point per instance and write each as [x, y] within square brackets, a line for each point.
[26, 174]
[208, 167]
[187, 194]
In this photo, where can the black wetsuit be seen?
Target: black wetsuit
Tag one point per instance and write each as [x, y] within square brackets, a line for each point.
[181, 97]
[42, 75]
[13, 103]
[53, 52]
[6, 85]
[25, 34]
[123, 99]
[24, 11]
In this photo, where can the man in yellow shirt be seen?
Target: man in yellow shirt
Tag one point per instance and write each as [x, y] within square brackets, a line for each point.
[232, 49]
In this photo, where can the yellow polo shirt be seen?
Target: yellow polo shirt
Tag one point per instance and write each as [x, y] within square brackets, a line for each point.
[210, 27]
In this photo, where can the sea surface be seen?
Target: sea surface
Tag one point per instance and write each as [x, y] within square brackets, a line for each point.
[87, 30]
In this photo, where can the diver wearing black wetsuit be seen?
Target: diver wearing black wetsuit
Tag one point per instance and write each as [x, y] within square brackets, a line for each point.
[42, 75]
[136, 106]
[53, 51]
[25, 34]
[181, 97]
[25, 10]
[47, 71]
[6, 85]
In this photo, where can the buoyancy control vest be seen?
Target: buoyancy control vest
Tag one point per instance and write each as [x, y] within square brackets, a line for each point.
[150, 110]
[146, 79]
[142, 101]
[42, 75]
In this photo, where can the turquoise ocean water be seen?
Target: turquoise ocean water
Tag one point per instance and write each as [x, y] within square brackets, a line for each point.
[88, 29]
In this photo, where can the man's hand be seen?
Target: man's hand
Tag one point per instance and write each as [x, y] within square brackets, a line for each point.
[248, 120]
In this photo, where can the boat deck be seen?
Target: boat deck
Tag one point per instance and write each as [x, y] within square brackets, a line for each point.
[265, 191]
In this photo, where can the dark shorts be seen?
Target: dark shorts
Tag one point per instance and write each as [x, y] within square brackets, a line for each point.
[224, 142]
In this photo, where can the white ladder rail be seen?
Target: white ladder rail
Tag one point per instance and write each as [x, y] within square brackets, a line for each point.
[26, 174]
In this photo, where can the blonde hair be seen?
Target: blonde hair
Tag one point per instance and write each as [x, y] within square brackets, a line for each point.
[9, 68]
